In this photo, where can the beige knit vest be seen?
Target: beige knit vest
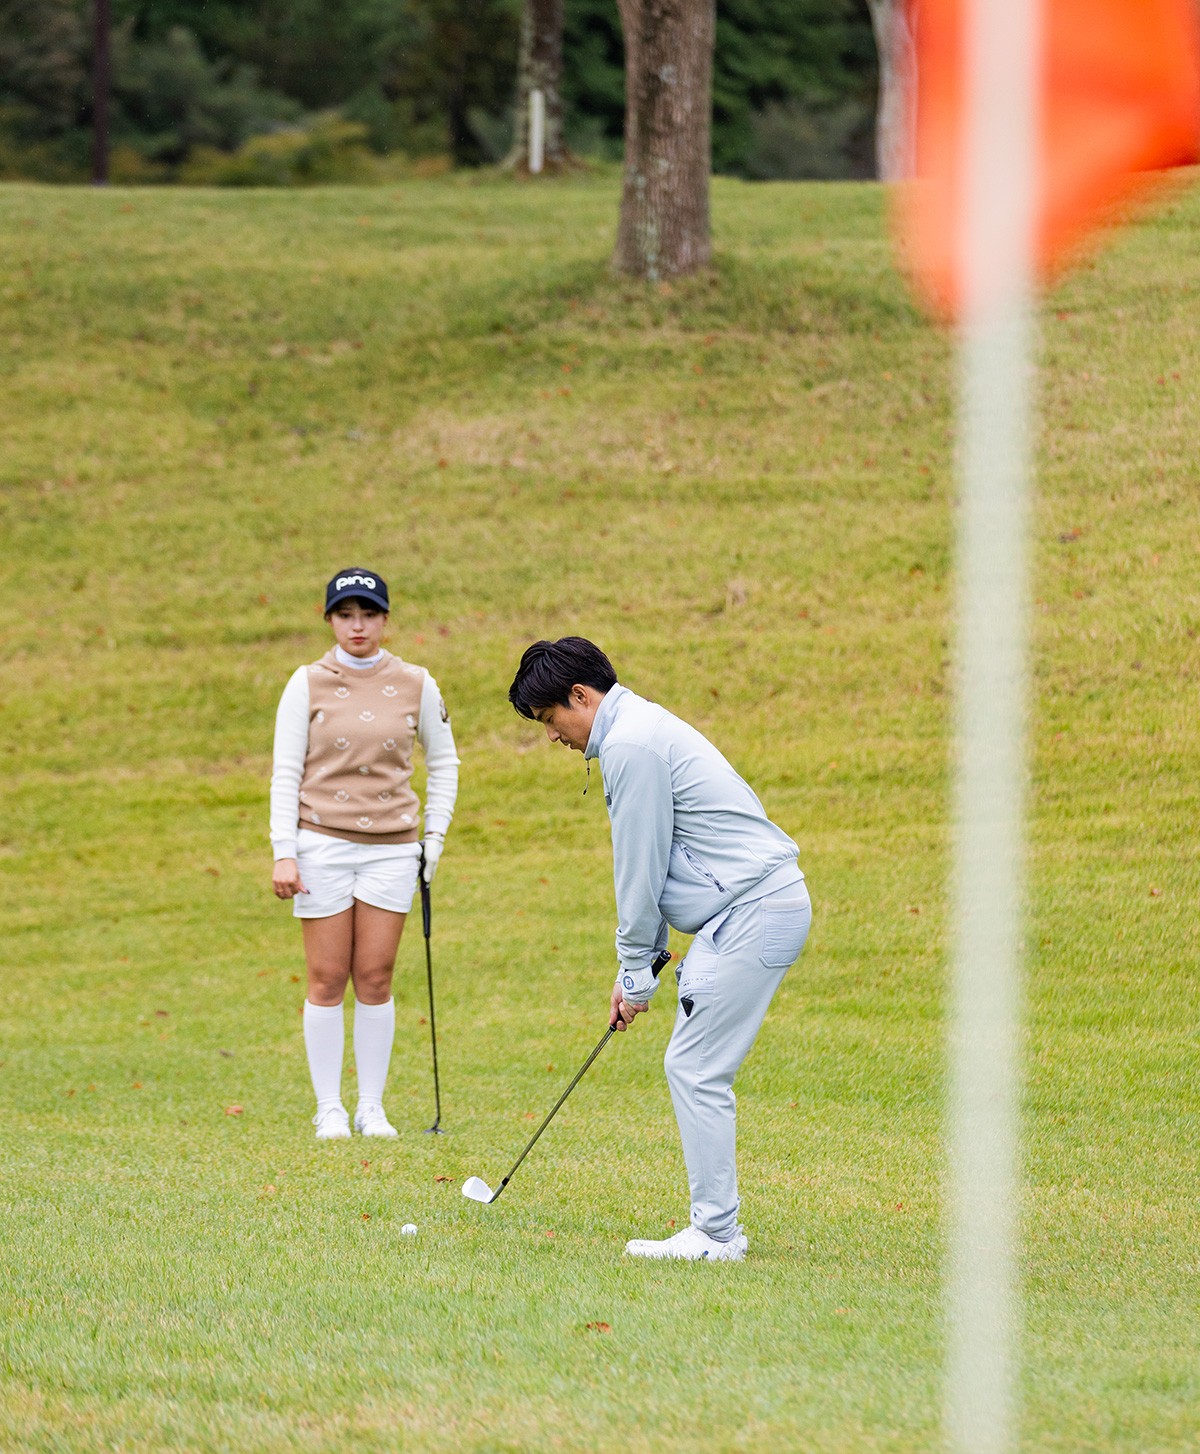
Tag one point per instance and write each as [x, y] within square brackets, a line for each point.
[362, 723]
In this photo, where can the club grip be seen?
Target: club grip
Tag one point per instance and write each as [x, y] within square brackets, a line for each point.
[426, 905]
[661, 961]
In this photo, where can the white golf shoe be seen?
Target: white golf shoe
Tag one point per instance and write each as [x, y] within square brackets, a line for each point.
[332, 1123]
[370, 1120]
[691, 1245]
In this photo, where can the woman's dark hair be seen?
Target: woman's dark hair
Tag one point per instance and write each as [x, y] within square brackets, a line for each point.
[549, 669]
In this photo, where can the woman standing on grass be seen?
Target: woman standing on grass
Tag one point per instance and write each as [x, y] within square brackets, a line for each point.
[345, 836]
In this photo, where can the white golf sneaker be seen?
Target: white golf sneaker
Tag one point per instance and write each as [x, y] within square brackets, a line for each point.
[692, 1245]
[332, 1123]
[370, 1120]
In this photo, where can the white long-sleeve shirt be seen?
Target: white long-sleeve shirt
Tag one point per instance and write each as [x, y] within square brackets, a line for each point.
[291, 749]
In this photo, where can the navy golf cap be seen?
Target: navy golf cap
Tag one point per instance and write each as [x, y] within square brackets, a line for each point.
[367, 585]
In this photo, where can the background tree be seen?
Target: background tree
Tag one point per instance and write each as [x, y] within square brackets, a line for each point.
[45, 88]
[793, 85]
[664, 222]
[540, 68]
[894, 44]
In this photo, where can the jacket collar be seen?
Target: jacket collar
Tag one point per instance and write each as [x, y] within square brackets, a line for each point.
[606, 715]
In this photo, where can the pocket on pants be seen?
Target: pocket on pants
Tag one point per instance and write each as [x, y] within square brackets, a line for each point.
[785, 928]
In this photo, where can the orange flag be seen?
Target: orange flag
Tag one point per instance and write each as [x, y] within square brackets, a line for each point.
[1119, 97]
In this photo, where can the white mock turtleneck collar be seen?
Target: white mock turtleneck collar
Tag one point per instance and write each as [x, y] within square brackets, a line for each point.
[343, 658]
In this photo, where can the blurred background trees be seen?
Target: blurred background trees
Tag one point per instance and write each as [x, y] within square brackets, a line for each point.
[234, 90]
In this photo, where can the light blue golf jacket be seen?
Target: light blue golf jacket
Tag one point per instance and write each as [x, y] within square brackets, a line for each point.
[690, 838]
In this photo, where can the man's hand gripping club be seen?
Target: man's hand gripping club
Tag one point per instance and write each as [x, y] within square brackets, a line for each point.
[622, 1010]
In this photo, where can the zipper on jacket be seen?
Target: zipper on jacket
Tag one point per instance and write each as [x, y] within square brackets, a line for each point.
[703, 869]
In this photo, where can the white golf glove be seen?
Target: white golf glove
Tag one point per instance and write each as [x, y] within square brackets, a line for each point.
[636, 985]
[433, 851]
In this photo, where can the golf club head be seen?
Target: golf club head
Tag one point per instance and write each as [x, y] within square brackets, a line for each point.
[477, 1189]
[435, 1130]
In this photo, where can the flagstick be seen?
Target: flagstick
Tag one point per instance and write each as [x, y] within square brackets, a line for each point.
[995, 361]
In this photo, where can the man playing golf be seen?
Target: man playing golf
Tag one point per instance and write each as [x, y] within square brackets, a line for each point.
[692, 847]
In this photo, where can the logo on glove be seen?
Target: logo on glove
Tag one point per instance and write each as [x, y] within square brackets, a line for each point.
[628, 981]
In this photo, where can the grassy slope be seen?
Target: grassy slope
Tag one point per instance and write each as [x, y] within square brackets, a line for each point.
[739, 486]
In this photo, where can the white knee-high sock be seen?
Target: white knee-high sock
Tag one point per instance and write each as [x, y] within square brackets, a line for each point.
[374, 1028]
[325, 1039]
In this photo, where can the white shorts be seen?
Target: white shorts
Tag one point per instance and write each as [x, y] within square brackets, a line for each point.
[336, 872]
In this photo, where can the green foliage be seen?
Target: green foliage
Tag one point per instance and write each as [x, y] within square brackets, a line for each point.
[329, 149]
[43, 46]
[426, 77]
[793, 83]
[168, 97]
[792, 141]
[174, 99]
[793, 57]
[43, 89]
[742, 486]
[410, 69]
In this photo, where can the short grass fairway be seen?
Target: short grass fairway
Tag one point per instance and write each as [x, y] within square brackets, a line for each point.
[740, 486]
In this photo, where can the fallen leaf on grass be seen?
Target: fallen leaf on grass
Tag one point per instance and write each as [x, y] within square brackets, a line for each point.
[137, 1085]
[162, 1014]
[228, 1054]
[233, 1110]
[216, 872]
[366, 1216]
[443, 1178]
[671, 1223]
[551, 1234]
[599, 1327]
[1155, 893]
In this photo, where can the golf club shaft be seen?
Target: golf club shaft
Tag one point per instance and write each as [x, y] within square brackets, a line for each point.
[427, 925]
[657, 967]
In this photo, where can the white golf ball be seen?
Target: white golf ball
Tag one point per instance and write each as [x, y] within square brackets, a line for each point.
[409, 1229]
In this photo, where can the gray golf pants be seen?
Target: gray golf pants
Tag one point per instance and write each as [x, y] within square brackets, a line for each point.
[726, 982]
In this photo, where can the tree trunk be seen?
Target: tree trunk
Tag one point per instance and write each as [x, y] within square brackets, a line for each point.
[664, 226]
[895, 43]
[540, 68]
[101, 85]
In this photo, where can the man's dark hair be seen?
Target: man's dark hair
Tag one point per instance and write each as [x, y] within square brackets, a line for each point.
[549, 669]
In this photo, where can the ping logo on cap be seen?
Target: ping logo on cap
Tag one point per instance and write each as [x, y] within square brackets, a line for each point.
[356, 580]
